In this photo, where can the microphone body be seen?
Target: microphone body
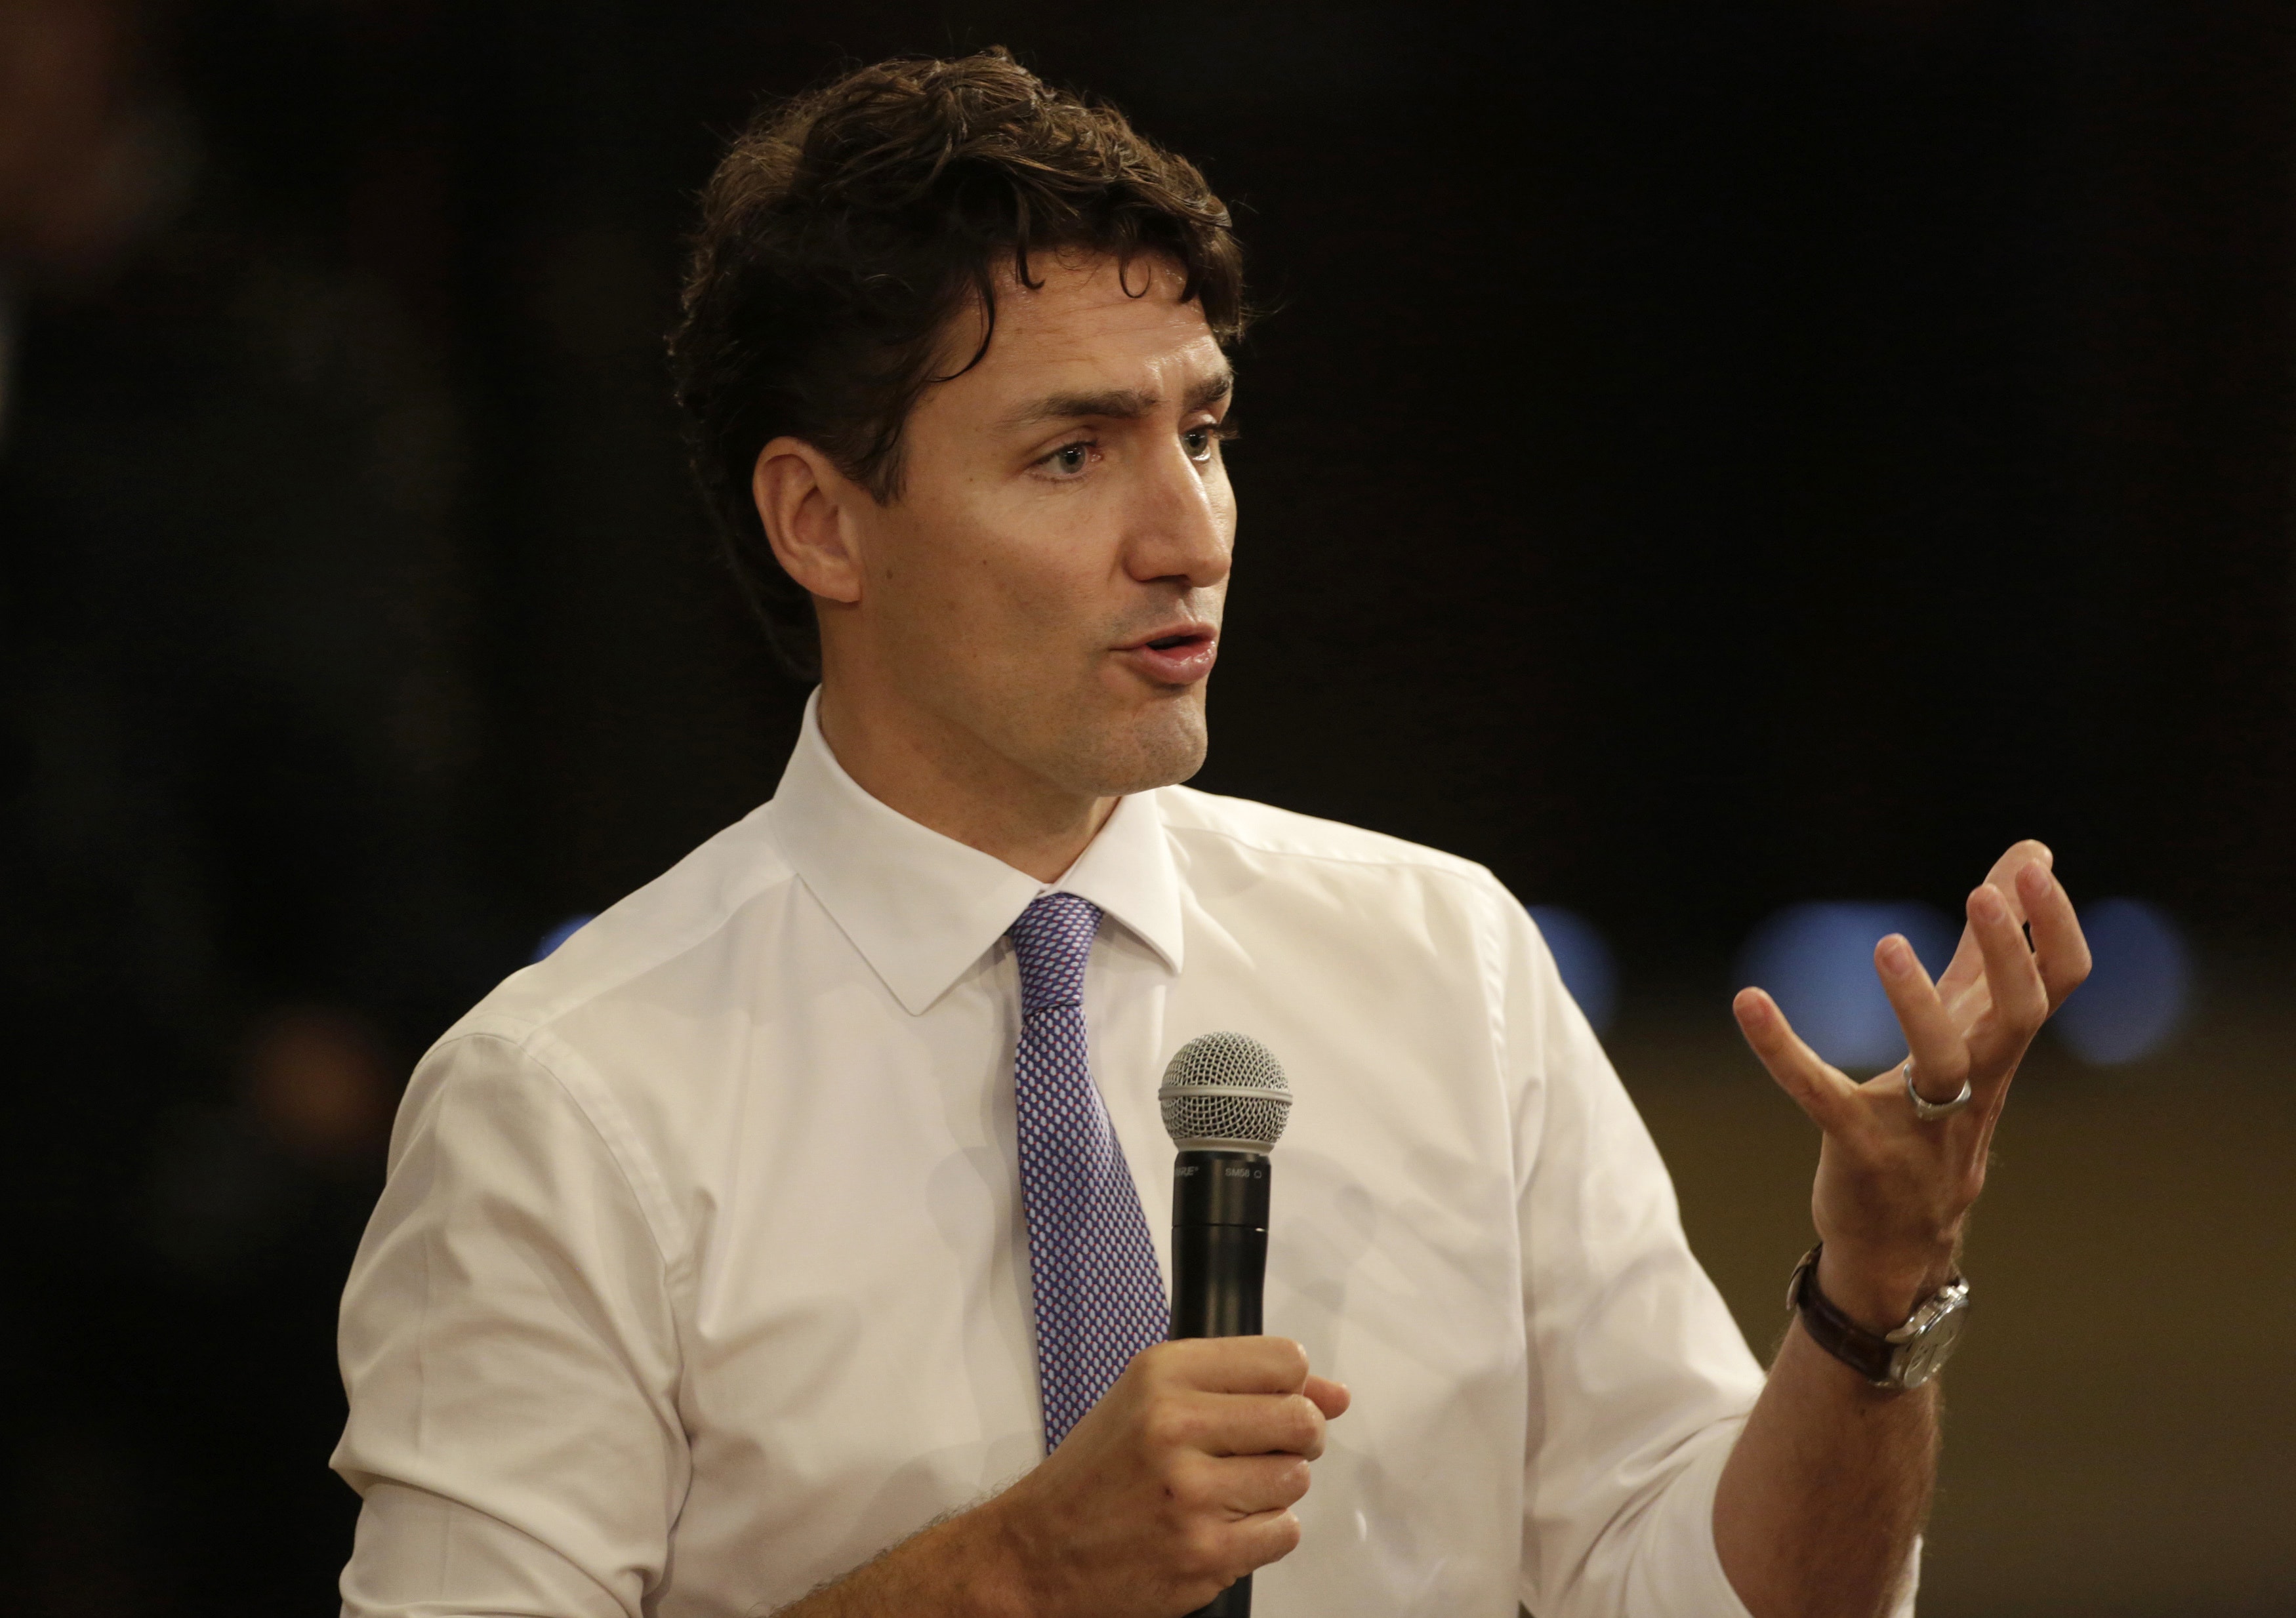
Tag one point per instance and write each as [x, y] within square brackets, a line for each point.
[1219, 1265]
[1220, 1243]
[1225, 1101]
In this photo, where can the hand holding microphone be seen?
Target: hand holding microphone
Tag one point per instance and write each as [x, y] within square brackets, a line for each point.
[1173, 1487]
[1224, 1101]
[1181, 1480]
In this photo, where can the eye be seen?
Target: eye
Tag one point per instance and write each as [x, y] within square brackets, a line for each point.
[1071, 460]
[1199, 440]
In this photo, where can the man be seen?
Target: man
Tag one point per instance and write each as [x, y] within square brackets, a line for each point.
[791, 1240]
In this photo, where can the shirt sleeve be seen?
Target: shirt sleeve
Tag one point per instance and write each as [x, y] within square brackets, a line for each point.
[1639, 1378]
[509, 1351]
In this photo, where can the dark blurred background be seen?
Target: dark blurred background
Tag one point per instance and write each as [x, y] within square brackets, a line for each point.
[1705, 459]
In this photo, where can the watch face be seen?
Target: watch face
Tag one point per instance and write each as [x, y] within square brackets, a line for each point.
[1924, 1355]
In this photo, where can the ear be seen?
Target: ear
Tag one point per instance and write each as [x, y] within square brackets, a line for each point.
[807, 507]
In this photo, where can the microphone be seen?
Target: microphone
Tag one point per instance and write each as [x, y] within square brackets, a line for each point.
[1225, 1101]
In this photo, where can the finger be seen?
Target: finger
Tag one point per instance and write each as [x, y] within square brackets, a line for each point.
[2060, 948]
[1332, 1398]
[1244, 1486]
[1236, 1365]
[1230, 1532]
[2029, 854]
[2019, 1002]
[1257, 1423]
[1821, 1090]
[1269, 1537]
[1940, 1055]
[1967, 966]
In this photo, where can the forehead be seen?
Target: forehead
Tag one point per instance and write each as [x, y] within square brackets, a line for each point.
[1090, 321]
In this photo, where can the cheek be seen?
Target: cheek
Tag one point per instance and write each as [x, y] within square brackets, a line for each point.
[1046, 559]
[933, 563]
[986, 587]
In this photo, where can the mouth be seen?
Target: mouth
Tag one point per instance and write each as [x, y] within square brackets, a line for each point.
[1180, 654]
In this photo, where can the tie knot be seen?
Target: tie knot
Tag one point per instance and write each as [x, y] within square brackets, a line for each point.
[1052, 940]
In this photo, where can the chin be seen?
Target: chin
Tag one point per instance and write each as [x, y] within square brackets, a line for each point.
[1156, 747]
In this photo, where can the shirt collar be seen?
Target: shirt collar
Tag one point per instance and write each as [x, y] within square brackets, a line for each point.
[921, 907]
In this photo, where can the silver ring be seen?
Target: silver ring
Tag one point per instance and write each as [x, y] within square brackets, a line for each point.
[1927, 1110]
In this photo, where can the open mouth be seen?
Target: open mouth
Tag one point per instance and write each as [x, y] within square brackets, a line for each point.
[1181, 657]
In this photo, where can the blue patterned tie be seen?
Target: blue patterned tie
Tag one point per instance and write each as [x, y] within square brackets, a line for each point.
[1099, 1290]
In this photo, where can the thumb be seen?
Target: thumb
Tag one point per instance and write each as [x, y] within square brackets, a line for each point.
[1328, 1396]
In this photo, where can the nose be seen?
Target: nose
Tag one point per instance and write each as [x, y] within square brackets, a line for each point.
[1182, 526]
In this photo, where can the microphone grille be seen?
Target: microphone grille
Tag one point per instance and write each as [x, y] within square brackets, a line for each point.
[1225, 1090]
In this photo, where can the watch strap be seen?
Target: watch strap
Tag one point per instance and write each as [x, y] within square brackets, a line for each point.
[1868, 1354]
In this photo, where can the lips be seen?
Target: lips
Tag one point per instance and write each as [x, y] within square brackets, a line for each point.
[1179, 655]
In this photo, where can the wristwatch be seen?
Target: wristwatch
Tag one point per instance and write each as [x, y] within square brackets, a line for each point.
[1902, 1359]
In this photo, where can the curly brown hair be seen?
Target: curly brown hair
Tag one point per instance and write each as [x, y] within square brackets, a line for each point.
[847, 228]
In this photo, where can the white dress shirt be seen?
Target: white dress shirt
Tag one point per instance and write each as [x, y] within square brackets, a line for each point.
[702, 1274]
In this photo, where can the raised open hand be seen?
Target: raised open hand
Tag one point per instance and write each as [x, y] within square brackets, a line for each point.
[1893, 1190]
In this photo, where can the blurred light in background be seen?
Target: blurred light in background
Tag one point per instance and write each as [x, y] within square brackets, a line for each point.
[558, 935]
[1584, 959]
[1816, 960]
[2137, 992]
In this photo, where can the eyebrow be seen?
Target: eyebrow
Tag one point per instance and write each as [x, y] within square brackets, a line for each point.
[1117, 403]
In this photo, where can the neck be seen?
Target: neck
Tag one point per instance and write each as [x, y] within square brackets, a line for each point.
[943, 778]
